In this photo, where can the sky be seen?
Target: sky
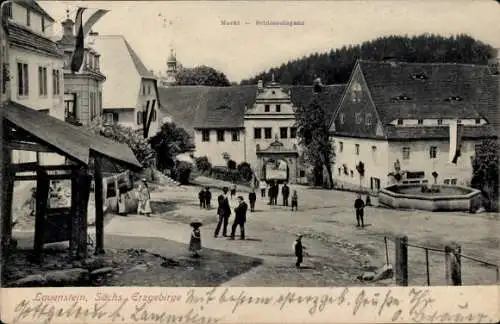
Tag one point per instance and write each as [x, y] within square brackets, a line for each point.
[195, 30]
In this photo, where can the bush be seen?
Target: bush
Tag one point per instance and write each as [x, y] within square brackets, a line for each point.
[182, 172]
[245, 171]
[202, 164]
[231, 165]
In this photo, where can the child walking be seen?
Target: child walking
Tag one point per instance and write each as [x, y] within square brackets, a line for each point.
[295, 200]
[299, 250]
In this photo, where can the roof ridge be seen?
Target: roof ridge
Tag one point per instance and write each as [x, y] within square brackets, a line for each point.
[422, 63]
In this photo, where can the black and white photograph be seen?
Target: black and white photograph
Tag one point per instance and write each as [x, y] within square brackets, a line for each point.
[250, 144]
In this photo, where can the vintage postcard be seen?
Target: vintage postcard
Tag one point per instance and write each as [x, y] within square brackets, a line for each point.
[250, 161]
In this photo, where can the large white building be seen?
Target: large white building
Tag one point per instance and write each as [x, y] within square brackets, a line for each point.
[398, 115]
[35, 65]
[130, 89]
[254, 124]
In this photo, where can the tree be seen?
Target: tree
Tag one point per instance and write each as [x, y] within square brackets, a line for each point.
[485, 171]
[313, 126]
[360, 167]
[203, 164]
[201, 75]
[126, 135]
[168, 142]
[245, 171]
[336, 66]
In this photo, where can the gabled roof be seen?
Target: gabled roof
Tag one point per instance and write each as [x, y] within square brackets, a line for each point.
[123, 69]
[224, 107]
[428, 87]
[74, 142]
[23, 37]
[33, 5]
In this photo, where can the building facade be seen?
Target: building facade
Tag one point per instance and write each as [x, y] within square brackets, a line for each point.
[35, 66]
[253, 124]
[83, 89]
[396, 118]
[130, 93]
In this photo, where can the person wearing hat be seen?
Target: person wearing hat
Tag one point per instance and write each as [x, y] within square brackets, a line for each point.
[240, 218]
[201, 198]
[252, 197]
[195, 241]
[299, 250]
[208, 198]
[144, 206]
[224, 212]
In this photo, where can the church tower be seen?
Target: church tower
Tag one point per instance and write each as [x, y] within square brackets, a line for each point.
[171, 69]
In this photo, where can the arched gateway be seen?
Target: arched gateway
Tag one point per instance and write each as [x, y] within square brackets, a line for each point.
[278, 162]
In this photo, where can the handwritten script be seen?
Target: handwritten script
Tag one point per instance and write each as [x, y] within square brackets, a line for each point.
[217, 305]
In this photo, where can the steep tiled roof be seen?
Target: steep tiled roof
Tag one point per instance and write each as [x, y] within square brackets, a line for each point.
[23, 37]
[33, 5]
[428, 87]
[224, 107]
[123, 70]
[141, 68]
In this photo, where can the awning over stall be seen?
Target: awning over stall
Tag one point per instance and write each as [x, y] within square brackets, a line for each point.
[75, 142]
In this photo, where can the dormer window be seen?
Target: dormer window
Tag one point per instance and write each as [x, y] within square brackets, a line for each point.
[478, 120]
[420, 76]
[278, 108]
[402, 98]
[420, 122]
[440, 122]
[454, 98]
[400, 122]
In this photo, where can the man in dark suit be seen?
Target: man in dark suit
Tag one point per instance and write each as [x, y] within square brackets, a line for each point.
[240, 218]
[285, 192]
[224, 212]
[359, 205]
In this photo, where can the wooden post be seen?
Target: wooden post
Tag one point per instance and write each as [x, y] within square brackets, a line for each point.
[99, 207]
[7, 195]
[75, 221]
[401, 270]
[453, 270]
[83, 187]
[42, 199]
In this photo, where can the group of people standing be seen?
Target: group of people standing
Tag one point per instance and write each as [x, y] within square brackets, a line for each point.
[273, 192]
[205, 197]
[224, 212]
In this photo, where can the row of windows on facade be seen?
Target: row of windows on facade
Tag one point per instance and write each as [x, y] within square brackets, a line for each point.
[433, 150]
[235, 134]
[70, 105]
[91, 61]
[23, 80]
[8, 14]
[267, 108]
[368, 120]
[141, 119]
[144, 88]
[347, 172]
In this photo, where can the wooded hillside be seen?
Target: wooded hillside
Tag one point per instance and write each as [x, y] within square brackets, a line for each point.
[336, 66]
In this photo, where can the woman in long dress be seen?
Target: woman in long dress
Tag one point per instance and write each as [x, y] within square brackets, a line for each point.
[144, 206]
[195, 241]
[122, 203]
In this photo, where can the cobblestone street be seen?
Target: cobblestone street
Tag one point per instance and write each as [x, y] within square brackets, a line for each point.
[338, 251]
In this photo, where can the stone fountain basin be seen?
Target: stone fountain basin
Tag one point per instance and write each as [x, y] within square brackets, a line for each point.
[451, 198]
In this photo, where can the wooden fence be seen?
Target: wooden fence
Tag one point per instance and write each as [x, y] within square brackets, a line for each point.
[452, 257]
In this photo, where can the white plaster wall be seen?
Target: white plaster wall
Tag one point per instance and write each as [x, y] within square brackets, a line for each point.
[214, 149]
[420, 160]
[375, 161]
[55, 103]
